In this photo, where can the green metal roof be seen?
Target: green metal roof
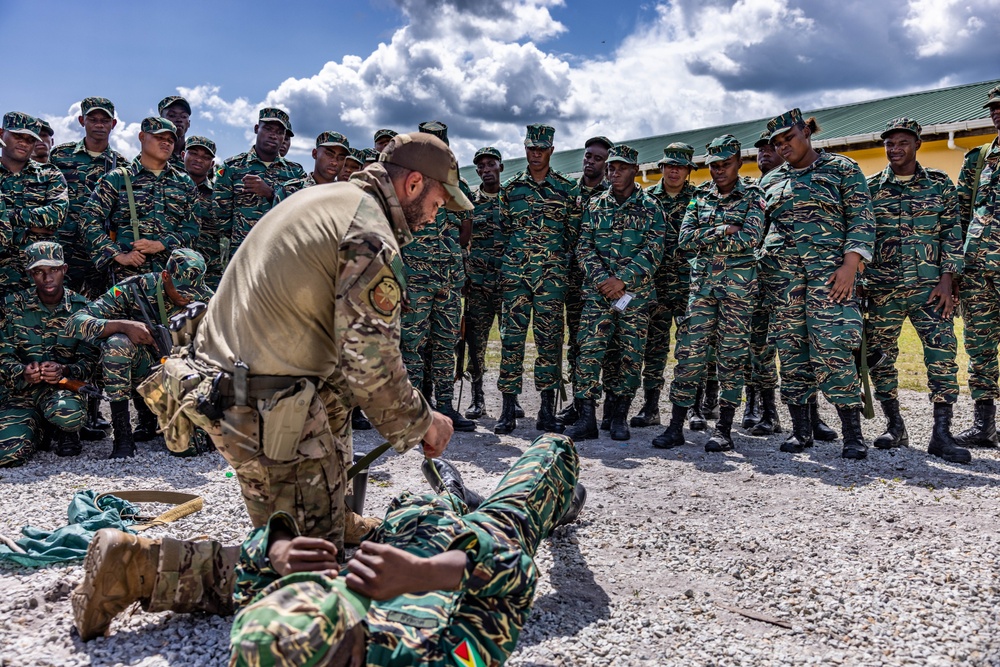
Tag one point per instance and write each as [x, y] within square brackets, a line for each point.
[931, 107]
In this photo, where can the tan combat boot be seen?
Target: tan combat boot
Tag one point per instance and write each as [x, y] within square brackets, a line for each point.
[119, 570]
[357, 526]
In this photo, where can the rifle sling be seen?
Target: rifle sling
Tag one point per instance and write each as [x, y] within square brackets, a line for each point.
[367, 460]
[160, 303]
[131, 204]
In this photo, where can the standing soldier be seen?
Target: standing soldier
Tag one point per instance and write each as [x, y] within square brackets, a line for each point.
[621, 244]
[332, 149]
[820, 228]
[672, 279]
[245, 184]
[540, 218]
[918, 251]
[34, 196]
[592, 182]
[483, 299]
[128, 352]
[722, 227]
[37, 357]
[383, 137]
[979, 183]
[199, 163]
[142, 210]
[44, 147]
[177, 110]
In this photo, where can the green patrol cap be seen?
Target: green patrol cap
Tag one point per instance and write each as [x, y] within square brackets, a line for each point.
[356, 155]
[170, 101]
[604, 141]
[22, 123]
[97, 104]
[370, 155]
[539, 136]
[385, 132]
[431, 157]
[623, 153]
[202, 142]
[43, 253]
[275, 115]
[784, 122]
[722, 148]
[333, 139]
[187, 272]
[992, 97]
[678, 153]
[46, 128]
[765, 139]
[437, 128]
[487, 151]
[154, 125]
[301, 619]
[903, 124]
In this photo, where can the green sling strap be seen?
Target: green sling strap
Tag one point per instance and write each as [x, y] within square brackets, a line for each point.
[131, 204]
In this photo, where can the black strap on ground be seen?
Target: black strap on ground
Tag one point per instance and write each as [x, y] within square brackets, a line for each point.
[367, 460]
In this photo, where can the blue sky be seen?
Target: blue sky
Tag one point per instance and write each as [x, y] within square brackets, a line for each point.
[486, 68]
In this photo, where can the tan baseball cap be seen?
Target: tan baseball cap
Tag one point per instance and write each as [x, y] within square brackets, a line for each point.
[427, 154]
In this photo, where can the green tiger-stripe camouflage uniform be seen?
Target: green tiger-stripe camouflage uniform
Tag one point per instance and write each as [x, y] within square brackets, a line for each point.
[541, 223]
[33, 332]
[574, 286]
[966, 180]
[238, 210]
[981, 282]
[484, 300]
[165, 205]
[623, 241]
[816, 215]
[917, 239]
[82, 172]
[209, 242]
[36, 200]
[288, 188]
[723, 289]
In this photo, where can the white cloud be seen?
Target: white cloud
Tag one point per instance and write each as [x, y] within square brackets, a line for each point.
[939, 24]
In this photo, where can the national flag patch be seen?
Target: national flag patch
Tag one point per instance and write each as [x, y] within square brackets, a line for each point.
[467, 656]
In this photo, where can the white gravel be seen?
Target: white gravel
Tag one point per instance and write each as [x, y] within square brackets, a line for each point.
[888, 561]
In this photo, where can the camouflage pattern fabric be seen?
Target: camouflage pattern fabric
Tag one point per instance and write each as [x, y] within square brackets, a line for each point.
[500, 539]
[192, 576]
[209, 243]
[36, 201]
[760, 370]
[541, 222]
[917, 239]
[238, 210]
[288, 188]
[816, 215]
[164, 204]
[483, 303]
[623, 241]
[723, 290]
[31, 332]
[966, 176]
[82, 172]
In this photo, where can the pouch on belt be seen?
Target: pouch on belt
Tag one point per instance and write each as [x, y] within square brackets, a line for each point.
[284, 415]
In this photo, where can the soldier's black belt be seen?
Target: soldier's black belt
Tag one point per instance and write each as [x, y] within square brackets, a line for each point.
[259, 387]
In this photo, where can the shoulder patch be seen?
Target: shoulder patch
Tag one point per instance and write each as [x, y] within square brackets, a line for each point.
[384, 295]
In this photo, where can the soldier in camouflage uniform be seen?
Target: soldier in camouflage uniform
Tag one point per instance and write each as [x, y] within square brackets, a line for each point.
[114, 321]
[34, 196]
[918, 250]
[540, 220]
[820, 228]
[370, 155]
[353, 161]
[620, 246]
[426, 613]
[978, 186]
[245, 184]
[199, 164]
[332, 149]
[722, 228]
[177, 110]
[35, 354]
[672, 281]
[383, 137]
[483, 302]
[165, 205]
[592, 182]
[44, 147]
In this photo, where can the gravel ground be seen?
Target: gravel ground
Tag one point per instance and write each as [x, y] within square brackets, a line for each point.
[888, 561]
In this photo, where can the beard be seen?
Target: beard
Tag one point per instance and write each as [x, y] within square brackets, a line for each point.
[414, 210]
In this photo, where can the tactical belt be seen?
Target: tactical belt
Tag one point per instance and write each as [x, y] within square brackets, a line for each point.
[259, 387]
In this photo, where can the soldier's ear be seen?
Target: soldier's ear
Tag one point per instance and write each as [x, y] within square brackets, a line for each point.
[501, 167]
[79, 119]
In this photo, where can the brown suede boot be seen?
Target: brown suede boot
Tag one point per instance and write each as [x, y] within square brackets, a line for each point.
[357, 526]
[119, 570]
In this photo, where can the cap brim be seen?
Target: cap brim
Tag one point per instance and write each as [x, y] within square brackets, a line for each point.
[992, 103]
[110, 112]
[45, 262]
[760, 143]
[458, 202]
[335, 143]
[23, 131]
[620, 159]
[774, 133]
[898, 129]
[717, 158]
[278, 122]
[670, 161]
[162, 130]
[537, 144]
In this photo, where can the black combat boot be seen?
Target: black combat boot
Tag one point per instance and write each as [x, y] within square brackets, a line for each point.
[518, 410]
[751, 412]
[619, 421]
[769, 422]
[697, 422]
[895, 430]
[983, 432]
[49, 435]
[96, 426]
[585, 427]
[674, 435]
[68, 444]
[942, 443]
[649, 413]
[358, 420]
[722, 436]
[575, 506]
[568, 415]
[478, 407]
[821, 431]
[458, 422]
[802, 432]
[710, 406]
[145, 429]
[854, 441]
[609, 411]
[547, 413]
[427, 389]
[124, 444]
[507, 422]
[443, 476]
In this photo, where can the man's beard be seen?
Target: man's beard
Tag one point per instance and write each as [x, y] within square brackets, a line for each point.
[413, 211]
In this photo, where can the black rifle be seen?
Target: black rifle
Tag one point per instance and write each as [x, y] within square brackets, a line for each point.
[162, 341]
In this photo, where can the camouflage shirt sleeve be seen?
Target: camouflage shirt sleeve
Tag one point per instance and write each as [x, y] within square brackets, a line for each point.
[254, 571]
[222, 201]
[99, 207]
[51, 214]
[586, 252]
[494, 568]
[859, 217]
[89, 323]
[952, 255]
